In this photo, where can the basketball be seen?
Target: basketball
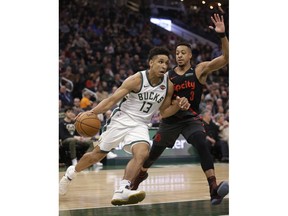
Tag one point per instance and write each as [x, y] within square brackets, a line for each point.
[87, 124]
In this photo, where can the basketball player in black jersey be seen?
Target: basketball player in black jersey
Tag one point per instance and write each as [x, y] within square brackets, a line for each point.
[188, 82]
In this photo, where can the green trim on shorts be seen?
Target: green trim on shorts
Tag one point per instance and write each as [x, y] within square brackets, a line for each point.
[138, 142]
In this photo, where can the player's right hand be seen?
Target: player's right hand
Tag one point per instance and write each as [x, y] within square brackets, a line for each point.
[79, 114]
[183, 103]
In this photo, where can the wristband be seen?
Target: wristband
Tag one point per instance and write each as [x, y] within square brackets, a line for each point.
[221, 34]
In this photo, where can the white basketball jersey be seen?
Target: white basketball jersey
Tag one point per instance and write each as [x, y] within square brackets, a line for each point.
[142, 105]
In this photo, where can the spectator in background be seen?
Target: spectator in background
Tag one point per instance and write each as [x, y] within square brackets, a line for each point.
[221, 109]
[68, 74]
[212, 93]
[224, 136]
[212, 133]
[209, 103]
[85, 102]
[77, 108]
[79, 41]
[219, 105]
[70, 139]
[61, 110]
[117, 80]
[223, 127]
[80, 82]
[136, 63]
[114, 88]
[65, 96]
[122, 73]
[225, 100]
[202, 104]
[109, 49]
[218, 146]
[226, 115]
[108, 77]
[101, 94]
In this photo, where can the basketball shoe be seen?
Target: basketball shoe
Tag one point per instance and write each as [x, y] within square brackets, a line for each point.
[66, 180]
[141, 177]
[219, 192]
[125, 196]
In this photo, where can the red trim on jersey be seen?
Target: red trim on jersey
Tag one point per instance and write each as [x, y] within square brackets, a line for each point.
[194, 113]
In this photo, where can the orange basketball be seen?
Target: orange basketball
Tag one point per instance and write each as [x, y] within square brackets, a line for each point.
[87, 124]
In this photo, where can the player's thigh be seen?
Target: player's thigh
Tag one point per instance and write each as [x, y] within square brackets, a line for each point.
[192, 127]
[137, 137]
[167, 134]
[111, 137]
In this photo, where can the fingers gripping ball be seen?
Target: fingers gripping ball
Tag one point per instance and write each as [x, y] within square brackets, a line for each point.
[87, 124]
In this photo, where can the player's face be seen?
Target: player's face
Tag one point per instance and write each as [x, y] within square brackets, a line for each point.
[159, 65]
[183, 55]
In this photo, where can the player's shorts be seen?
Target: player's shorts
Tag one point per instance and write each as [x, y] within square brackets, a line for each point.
[168, 132]
[122, 130]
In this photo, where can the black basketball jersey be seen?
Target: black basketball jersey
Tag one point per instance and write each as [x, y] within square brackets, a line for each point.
[186, 85]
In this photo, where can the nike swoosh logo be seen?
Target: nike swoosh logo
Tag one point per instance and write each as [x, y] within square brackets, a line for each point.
[173, 77]
[145, 86]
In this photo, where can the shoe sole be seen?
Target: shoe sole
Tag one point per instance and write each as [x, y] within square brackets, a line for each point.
[222, 191]
[132, 199]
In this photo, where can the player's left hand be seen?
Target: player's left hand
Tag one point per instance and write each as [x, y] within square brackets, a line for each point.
[218, 22]
[183, 103]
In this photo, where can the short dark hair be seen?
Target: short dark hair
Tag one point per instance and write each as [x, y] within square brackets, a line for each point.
[158, 51]
[68, 109]
[183, 43]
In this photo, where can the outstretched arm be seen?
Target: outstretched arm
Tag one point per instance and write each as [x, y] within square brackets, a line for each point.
[127, 86]
[203, 69]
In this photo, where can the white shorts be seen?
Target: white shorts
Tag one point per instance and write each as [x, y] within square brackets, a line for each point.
[121, 129]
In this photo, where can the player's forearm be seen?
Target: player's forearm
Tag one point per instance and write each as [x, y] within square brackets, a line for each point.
[169, 111]
[103, 106]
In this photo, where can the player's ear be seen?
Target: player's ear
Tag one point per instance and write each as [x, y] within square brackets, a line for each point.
[150, 62]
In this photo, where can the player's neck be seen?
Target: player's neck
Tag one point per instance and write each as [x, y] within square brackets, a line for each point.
[182, 68]
[153, 79]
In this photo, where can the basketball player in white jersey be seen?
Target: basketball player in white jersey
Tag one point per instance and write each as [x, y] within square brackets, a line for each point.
[142, 94]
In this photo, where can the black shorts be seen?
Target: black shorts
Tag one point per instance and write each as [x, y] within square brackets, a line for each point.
[168, 133]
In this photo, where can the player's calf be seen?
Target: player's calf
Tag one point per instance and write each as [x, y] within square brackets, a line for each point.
[140, 178]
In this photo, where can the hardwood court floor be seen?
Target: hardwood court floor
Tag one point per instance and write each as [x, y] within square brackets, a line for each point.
[182, 186]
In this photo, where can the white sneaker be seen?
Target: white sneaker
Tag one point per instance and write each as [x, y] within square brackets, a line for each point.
[125, 196]
[99, 164]
[66, 180]
[111, 155]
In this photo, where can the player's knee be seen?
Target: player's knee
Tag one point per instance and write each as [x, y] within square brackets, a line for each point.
[198, 140]
[140, 152]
